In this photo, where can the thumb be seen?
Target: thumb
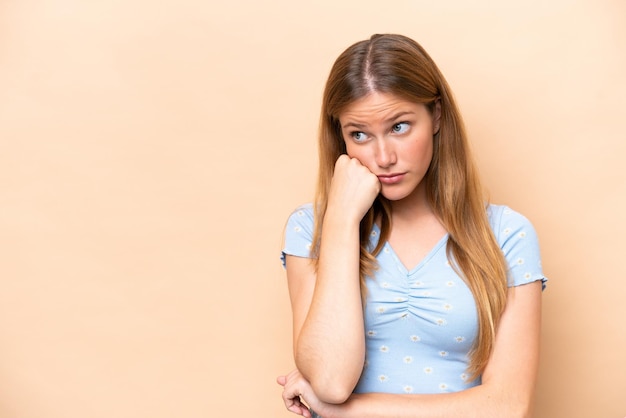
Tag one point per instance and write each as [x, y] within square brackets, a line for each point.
[281, 380]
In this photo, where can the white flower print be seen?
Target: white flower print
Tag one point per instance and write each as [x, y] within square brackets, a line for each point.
[309, 245]
[415, 338]
[528, 276]
[459, 339]
[297, 228]
[443, 353]
[441, 322]
[386, 250]
[300, 213]
[507, 231]
[384, 349]
[408, 359]
[507, 211]
[380, 309]
[399, 299]
[371, 333]
[383, 378]
[428, 370]
[520, 261]
[464, 377]
[522, 234]
[418, 283]
[443, 386]
[408, 389]
[374, 233]
[426, 293]
[447, 306]
[384, 285]
[450, 283]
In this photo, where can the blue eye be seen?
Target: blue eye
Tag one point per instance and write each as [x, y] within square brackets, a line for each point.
[358, 136]
[400, 128]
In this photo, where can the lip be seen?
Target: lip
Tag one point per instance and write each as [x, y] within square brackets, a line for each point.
[391, 178]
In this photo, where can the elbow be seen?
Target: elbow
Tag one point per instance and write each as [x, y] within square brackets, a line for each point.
[524, 410]
[519, 407]
[332, 392]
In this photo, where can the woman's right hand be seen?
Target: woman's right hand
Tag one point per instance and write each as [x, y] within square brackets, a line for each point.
[353, 189]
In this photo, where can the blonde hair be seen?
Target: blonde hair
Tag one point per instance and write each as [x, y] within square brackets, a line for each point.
[398, 65]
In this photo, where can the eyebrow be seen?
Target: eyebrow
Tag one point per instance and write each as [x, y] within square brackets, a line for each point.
[388, 120]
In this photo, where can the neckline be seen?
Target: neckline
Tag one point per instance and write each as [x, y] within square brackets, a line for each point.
[431, 253]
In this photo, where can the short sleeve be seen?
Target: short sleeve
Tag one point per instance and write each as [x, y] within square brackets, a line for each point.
[299, 233]
[519, 243]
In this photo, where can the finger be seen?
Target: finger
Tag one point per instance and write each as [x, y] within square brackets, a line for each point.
[281, 380]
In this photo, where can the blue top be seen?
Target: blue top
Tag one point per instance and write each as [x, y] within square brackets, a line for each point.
[420, 324]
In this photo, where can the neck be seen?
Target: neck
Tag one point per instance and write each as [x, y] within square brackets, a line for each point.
[412, 208]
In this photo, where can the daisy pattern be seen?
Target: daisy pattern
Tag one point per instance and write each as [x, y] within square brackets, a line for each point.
[440, 322]
[450, 283]
[408, 389]
[371, 333]
[399, 299]
[464, 377]
[418, 283]
[443, 386]
[384, 285]
[447, 306]
[428, 370]
[297, 228]
[507, 231]
[384, 349]
[520, 261]
[415, 338]
[383, 378]
[459, 339]
[380, 309]
[386, 250]
[408, 359]
[443, 353]
[309, 245]
[528, 276]
[374, 233]
[522, 234]
[507, 211]
[426, 293]
[300, 213]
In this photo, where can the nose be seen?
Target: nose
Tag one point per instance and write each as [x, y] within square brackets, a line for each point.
[385, 153]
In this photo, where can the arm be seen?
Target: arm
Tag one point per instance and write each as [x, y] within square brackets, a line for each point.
[507, 384]
[329, 346]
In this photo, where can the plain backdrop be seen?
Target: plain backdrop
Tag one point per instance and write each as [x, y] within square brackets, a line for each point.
[151, 151]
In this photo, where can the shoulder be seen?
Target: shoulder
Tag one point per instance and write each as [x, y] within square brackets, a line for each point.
[302, 215]
[299, 231]
[519, 243]
[507, 223]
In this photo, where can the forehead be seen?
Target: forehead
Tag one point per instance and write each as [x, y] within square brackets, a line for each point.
[378, 105]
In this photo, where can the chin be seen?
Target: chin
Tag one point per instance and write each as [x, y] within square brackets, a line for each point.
[394, 196]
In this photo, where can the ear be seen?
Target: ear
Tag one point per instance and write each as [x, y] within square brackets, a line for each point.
[437, 116]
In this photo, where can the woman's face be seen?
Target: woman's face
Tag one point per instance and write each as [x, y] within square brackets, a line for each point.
[393, 138]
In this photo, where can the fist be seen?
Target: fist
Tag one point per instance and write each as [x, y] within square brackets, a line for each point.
[353, 188]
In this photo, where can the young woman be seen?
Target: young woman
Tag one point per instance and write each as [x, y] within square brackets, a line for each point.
[411, 296]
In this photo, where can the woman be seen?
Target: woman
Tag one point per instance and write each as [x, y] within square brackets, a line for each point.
[410, 295]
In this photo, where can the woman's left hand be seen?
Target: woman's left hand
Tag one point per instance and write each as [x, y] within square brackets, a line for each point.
[297, 394]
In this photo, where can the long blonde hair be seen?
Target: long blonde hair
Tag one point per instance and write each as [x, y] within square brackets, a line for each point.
[398, 65]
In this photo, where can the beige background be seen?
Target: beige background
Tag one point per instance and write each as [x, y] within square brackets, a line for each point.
[150, 153]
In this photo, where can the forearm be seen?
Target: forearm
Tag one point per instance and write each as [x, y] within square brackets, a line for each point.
[478, 402]
[330, 348]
